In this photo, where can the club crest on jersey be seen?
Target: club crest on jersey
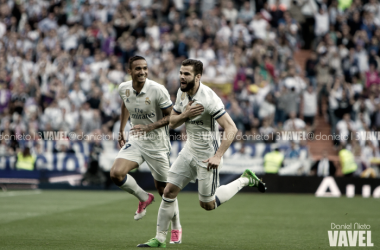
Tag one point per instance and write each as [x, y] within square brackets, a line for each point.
[127, 92]
[183, 96]
[147, 101]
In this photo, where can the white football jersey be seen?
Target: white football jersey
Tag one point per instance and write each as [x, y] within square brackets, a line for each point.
[145, 108]
[203, 137]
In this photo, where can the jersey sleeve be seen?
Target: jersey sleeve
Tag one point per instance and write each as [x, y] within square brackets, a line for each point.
[216, 107]
[177, 107]
[164, 101]
[120, 91]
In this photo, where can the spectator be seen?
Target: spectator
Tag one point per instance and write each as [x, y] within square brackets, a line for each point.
[372, 76]
[5, 97]
[259, 26]
[324, 167]
[94, 175]
[230, 13]
[347, 161]
[242, 153]
[77, 96]
[345, 127]
[95, 99]
[291, 101]
[277, 13]
[49, 23]
[309, 105]
[293, 152]
[294, 123]
[344, 103]
[311, 69]
[321, 21]
[63, 146]
[362, 57]
[273, 161]
[246, 12]
[25, 160]
[294, 81]
[267, 109]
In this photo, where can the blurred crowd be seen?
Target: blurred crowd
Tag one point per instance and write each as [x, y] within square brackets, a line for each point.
[61, 63]
[344, 67]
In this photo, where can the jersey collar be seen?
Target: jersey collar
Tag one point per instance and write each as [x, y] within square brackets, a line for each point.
[144, 89]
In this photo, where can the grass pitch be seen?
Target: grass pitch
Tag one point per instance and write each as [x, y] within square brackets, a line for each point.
[104, 220]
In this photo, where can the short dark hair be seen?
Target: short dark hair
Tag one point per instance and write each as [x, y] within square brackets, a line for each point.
[134, 58]
[197, 65]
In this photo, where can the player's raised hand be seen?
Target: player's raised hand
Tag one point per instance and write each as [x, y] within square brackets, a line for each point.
[121, 139]
[192, 111]
[213, 162]
[140, 129]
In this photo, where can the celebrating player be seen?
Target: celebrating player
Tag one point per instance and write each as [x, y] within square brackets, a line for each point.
[200, 108]
[148, 105]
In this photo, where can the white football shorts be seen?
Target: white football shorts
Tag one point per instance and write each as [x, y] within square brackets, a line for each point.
[187, 168]
[159, 163]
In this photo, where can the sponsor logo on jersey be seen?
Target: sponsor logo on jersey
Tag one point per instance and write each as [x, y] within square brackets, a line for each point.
[183, 96]
[196, 122]
[180, 104]
[140, 114]
[147, 101]
[143, 116]
[127, 93]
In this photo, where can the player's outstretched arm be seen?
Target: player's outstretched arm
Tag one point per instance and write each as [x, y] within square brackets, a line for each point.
[177, 119]
[140, 129]
[123, 121]
[230, 131]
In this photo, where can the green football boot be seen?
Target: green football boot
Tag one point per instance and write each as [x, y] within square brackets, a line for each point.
[152, 243]
[254, 181]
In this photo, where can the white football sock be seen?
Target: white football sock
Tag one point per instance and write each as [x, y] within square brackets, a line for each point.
[226, 192]
[165, 214]
[175, 221]
[131, 187]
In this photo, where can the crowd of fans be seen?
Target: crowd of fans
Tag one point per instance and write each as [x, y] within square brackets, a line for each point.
[61, 63]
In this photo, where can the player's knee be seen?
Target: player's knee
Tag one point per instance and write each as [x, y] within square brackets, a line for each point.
[168, 193]
[116, 176]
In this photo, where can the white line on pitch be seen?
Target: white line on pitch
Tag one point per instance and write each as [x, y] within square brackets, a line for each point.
[19, 193]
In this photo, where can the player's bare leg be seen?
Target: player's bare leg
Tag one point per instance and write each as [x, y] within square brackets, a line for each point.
[160, 186]
[166, 213]
[119, 175]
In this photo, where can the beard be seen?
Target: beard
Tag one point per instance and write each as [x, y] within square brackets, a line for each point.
[189, 86]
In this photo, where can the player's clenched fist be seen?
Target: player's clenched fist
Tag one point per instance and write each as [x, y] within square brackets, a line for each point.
[193, 111]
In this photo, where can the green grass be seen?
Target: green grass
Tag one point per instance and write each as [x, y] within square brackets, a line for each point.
[104, 220]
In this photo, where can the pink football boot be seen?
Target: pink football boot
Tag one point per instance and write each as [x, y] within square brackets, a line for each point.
[141, 210]
[176, 237]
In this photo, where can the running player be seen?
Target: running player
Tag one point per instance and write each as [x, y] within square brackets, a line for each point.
[201, 110]
[148, 105]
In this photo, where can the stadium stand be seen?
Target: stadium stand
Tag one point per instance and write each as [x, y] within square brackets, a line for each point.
[61, 63]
